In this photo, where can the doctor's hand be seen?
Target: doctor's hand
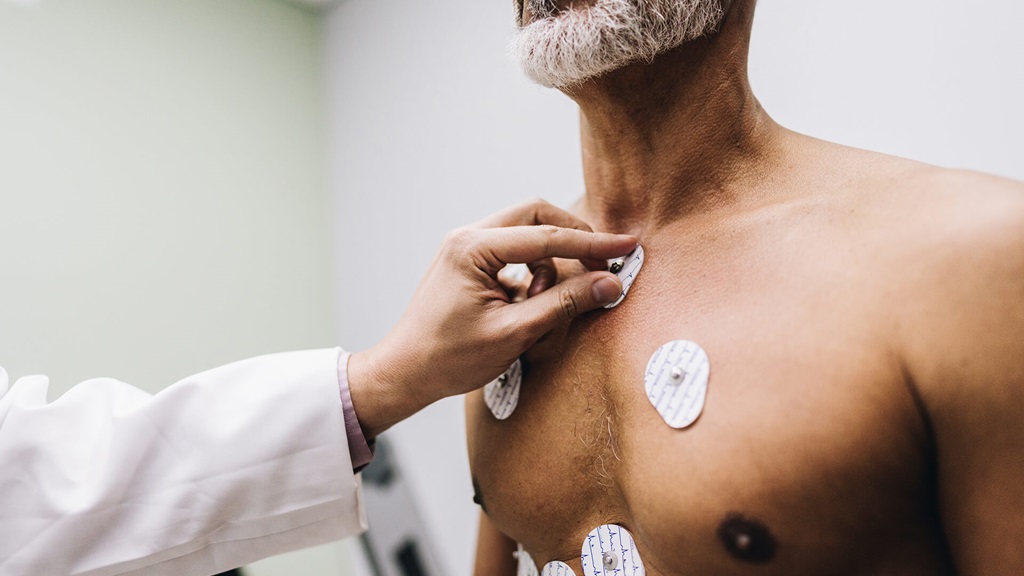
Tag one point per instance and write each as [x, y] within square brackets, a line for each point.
[462, 328]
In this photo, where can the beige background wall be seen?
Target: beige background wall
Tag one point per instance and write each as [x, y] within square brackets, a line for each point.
[163, 206]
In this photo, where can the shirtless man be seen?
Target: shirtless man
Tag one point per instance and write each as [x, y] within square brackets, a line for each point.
[863, 315]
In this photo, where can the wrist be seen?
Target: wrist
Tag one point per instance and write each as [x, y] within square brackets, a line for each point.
[384, 391]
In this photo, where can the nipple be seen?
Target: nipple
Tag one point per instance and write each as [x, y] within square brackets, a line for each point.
[747, 540]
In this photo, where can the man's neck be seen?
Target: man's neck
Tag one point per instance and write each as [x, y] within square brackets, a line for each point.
[684, 133]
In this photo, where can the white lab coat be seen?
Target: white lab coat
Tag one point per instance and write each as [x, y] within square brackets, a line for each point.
[223, 468]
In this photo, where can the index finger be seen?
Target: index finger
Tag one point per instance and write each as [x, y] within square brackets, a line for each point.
[533, 213]
[524, 244]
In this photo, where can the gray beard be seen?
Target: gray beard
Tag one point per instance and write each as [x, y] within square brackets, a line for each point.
[561, 50]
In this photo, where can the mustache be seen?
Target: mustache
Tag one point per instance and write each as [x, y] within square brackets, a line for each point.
[542, 8]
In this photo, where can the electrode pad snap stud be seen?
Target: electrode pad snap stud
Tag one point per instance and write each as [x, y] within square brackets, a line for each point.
[627, 271]
[502, 394]
[526, 566]
[557, 568]
[610, 549]
[676, 382]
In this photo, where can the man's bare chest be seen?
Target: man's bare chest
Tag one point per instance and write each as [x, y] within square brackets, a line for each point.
[803, 445]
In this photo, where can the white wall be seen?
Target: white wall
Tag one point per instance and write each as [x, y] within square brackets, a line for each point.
[432, 128]
[163, 203]
[936, 81]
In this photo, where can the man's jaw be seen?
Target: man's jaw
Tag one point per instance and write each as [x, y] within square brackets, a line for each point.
[563, 43]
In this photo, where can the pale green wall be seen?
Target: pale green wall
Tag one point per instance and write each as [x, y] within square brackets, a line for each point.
[162, 186]
[163, 203]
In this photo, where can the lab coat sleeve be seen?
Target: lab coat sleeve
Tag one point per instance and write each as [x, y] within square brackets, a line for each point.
[223, 468]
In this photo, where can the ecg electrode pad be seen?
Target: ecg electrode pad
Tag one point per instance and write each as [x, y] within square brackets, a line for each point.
[610, 550]
[526, 566]
[677, 382]
[626, 269]
[557, 568]
[502, 394]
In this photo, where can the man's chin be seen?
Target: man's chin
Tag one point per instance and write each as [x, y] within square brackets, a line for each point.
[581, 43]
[572, 47]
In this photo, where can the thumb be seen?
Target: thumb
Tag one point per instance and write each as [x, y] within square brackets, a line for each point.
[542, 313]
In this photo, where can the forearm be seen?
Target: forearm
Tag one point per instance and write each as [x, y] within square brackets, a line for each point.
[229, 465]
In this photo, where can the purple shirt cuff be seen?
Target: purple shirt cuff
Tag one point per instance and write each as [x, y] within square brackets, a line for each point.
[360, 450]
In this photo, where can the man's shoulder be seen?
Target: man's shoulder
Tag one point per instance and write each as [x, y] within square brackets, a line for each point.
[922, 208]
[958, 317]
[961, 208]
[956, 280]
[976, 192]
[951, 232]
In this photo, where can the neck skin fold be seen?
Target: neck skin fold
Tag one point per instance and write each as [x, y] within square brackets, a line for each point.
[693, 137]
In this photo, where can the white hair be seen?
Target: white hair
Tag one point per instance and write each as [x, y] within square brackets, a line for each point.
[562, 49]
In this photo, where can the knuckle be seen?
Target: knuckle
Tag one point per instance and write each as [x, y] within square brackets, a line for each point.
[550, 235]
[591, 245]
[535, 208]
[458, 239]
[537, 202]
[551, 231]
[569, 304]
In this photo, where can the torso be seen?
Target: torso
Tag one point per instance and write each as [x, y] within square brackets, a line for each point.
[811, 439]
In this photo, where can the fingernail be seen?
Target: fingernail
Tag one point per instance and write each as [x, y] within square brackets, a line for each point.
[605, 290]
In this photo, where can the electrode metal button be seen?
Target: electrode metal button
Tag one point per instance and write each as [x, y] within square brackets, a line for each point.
[609, 549]
[502, 394]
[626, 269]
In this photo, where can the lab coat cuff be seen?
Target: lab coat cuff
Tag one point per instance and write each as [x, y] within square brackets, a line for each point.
[359, 448]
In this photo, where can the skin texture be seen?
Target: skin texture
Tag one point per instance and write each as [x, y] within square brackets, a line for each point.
[864, 316]
[463, 328]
